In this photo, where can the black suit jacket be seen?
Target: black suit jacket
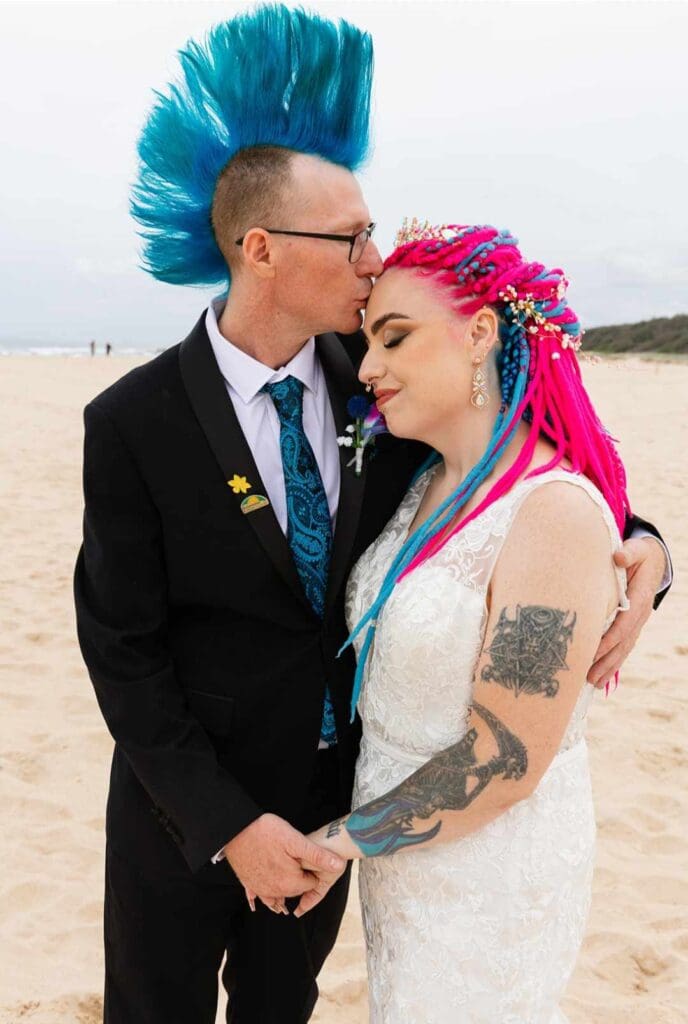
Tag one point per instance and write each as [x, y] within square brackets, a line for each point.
[208, 663]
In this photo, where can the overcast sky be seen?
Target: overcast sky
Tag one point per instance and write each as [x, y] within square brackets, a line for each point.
[565, 121]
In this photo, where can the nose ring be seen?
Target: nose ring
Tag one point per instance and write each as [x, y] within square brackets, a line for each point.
[369, 387]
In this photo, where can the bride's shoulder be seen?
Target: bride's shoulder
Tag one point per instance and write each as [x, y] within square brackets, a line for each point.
[556, 500]
[563, 519]
[564, 501]
[558, 550]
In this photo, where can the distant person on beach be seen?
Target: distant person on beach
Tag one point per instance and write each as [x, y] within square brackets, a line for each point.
[226, 499]
[108, 348]
[92, 347]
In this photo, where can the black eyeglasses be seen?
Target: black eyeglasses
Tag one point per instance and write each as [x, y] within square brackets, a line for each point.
[357, 243]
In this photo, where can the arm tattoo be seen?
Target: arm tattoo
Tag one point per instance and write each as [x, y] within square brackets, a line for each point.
[528, 650]
[449, 782]
[334, 828]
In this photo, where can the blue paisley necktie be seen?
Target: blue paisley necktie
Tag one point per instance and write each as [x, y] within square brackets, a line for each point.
[309, 530]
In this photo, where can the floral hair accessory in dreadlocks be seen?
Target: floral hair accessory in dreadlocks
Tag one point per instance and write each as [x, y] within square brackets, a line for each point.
[473, 266]
[269, 77]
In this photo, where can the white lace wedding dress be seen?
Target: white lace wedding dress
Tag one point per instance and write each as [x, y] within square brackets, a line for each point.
[485, 929]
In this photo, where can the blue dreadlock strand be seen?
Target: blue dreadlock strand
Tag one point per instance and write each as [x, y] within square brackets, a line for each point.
[273, 76]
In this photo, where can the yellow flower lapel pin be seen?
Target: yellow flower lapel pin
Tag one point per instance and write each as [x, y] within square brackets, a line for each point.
[239, 484]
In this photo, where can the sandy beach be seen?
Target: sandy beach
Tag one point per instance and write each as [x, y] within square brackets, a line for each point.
[55, 749]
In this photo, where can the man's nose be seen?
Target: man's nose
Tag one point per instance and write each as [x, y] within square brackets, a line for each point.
[370, 263]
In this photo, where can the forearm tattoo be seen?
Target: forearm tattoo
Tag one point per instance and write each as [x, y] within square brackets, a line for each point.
[334, 828]
[451, 781]
[529, 650]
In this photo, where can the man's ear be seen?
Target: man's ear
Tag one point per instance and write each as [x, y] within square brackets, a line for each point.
[259, 252]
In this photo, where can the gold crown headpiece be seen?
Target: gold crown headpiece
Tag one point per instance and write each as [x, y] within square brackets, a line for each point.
[421, 231]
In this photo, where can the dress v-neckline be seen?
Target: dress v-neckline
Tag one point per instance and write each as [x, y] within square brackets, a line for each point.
[429, 474]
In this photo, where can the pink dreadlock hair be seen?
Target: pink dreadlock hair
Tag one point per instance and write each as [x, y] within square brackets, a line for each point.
[540, 383]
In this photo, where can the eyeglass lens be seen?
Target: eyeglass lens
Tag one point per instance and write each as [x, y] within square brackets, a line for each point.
[360, 244]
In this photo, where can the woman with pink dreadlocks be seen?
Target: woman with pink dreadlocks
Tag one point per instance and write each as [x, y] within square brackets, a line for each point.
[475, 616]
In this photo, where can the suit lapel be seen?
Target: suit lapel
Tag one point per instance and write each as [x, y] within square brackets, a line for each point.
[215, 413]
[342, 384]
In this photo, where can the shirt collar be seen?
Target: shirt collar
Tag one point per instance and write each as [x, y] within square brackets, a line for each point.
[244, 373]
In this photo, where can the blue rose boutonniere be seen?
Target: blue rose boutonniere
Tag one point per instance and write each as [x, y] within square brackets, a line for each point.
[368, 422]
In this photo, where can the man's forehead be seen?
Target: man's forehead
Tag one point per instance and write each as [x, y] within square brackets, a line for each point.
[308, 165]
[340, 218]
[332, 190]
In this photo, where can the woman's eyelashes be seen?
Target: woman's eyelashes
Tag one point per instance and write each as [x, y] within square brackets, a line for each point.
[393, 342]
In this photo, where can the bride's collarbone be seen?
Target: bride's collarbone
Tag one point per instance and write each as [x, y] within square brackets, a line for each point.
[429, 503]
[436, 493]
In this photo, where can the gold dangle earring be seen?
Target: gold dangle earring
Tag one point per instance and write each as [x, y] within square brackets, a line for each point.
[479, 395]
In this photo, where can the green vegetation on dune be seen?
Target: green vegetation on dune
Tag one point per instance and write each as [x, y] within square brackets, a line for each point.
[665, 334]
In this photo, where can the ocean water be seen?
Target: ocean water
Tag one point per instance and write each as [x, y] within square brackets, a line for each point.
[22, 347]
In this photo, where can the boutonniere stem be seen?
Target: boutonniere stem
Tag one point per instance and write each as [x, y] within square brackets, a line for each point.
[368, 422]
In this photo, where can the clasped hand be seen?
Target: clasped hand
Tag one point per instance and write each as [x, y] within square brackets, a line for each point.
[274, 861]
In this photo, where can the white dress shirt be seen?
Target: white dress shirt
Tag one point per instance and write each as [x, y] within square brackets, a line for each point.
[244, 377]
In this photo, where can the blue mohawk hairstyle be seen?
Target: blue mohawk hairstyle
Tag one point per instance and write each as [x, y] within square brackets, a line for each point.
[274, 77]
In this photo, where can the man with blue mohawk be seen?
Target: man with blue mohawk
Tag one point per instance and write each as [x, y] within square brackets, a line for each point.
[221, 521]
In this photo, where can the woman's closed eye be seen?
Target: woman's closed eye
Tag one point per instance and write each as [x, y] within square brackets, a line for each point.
[393, 342]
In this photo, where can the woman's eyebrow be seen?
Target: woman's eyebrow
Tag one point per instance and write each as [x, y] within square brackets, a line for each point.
[388, 316]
